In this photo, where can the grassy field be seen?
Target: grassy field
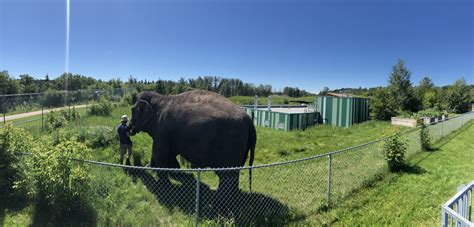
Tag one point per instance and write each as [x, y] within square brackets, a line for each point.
[297, 190]
[413, 197]
[129, 198]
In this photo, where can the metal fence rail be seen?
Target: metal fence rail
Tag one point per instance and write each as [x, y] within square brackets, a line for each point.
[281, 192]
[23, 103]
[458, 210]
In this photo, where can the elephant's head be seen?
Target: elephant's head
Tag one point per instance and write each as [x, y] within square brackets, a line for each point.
[142, 113]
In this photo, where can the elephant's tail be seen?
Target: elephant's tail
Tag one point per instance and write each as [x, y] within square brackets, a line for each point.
[251, 144]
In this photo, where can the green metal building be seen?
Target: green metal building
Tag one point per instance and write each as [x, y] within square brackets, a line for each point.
[341, 110]
[284, 118]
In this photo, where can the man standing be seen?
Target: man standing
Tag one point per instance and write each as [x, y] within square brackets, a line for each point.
[125, 142]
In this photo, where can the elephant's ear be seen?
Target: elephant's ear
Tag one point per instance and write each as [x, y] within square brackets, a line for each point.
[149, 112]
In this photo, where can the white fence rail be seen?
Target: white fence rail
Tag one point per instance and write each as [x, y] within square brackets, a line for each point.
[458, 210]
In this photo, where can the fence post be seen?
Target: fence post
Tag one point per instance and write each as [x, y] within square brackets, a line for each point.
[3, 109]
[444, 217]
[442, 126]
[329, 179]
[42, 117]
[198, 183]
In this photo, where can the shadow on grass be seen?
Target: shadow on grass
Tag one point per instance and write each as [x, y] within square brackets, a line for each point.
[12, 204]
[411, 169]
[238, 208]
[47, 215]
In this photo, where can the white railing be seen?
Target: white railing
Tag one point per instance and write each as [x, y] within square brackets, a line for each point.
[458, 210]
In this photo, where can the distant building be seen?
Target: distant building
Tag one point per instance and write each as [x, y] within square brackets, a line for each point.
[283, 117]
[341, 109]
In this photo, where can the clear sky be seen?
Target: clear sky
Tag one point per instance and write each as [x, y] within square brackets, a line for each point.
[309, 44]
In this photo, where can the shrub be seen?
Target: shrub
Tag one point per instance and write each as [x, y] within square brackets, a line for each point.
[14, 182]
[101, 108]
[101, 136]
[54, 121]
[70, 114]
[52, 99]
[429, 113]
[394, 151]
[62, 185]
[128, 98]
[425, 138]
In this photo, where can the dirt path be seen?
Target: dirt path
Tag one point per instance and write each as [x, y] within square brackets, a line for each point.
[34, 113]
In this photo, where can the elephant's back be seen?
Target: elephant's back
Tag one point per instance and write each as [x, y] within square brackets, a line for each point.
[206, 105]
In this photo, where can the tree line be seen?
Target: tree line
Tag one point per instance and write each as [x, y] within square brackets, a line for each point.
[72, 82]
[401, 97]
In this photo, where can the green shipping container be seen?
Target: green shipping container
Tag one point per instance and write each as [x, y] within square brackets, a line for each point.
[284, 120]
[342, 111]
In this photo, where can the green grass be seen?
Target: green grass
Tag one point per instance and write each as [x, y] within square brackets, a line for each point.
[299, 189]
[128, 198]
[414, 197]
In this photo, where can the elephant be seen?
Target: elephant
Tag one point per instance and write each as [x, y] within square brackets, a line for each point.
[205, 128]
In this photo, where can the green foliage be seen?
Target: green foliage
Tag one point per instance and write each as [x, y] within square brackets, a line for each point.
[429, 113]
[101, 108]
[8, 85]
[394, 151]
[101, 136]
[458, 96]
[425, 138]
[62, 185]
[54, 120]
[381, 106]
[128, 99]
[14, 180]
[52, 98]
[400, 89]
[429, 99]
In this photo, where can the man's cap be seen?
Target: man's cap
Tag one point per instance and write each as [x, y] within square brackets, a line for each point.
[124, 118]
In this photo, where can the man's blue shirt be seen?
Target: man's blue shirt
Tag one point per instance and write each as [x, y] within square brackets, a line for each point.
[122, 132]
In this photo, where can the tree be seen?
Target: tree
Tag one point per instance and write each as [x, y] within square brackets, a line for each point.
[27, 84]
[324, 91]
[458, 96]
[400, 88]
[381, 105]
[429, 99]
[426, 93]
[7, 84]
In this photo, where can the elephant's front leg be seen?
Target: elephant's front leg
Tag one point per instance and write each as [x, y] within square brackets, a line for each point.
[160, 158]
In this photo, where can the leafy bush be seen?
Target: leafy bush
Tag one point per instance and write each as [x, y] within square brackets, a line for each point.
[100, 136]
[128, 98]
[425, 138]
[62, 185]
[55, 120]
[14, 180]
[429, 113]
[52, 99]
[381, 107]
[394, 151]
[101, 108]
[70, 114]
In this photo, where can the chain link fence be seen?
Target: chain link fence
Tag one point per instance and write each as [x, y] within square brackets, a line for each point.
[42, 104]
[281, 193]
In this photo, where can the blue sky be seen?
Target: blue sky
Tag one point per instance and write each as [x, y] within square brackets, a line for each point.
[309, 44]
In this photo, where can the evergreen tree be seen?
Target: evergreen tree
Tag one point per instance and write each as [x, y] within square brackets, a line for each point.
[400, 88]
